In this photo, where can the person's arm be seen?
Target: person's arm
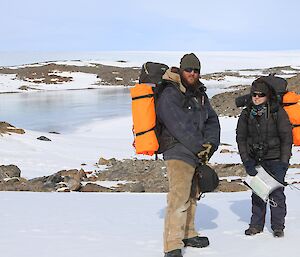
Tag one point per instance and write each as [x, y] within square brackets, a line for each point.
[212, 128]
[241, 136]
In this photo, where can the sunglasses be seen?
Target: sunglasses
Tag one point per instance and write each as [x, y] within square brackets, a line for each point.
[254, 94]
[189, 70]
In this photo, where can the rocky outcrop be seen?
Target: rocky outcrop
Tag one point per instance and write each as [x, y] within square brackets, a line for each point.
[91, 187]
[9, 171]
[6, 128]
[151, 176]
[62, 181]
[129, 175]
[50, 73]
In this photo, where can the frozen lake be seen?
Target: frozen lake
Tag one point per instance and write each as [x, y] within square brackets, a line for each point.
[63, 110]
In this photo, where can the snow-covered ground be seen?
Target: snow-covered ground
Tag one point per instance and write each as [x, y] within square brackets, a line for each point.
[131, 225]
[86, 145]
[9, 83]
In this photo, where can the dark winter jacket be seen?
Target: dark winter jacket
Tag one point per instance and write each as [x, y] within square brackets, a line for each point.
[266, 137]
[188, 118]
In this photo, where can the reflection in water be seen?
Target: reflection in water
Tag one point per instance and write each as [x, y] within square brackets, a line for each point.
[63, 110]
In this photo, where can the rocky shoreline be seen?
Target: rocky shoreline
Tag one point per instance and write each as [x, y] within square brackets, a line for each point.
[129, 176]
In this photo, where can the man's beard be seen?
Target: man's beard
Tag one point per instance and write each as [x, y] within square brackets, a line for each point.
[188, 84]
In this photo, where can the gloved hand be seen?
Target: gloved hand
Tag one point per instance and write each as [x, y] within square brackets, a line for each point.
[283, 166]
[250, 167]
[205, 153]
[278, 169]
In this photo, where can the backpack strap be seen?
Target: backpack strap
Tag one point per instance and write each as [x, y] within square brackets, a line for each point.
[142, 96]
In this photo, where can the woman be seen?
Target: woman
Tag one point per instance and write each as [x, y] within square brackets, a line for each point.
[264, 137]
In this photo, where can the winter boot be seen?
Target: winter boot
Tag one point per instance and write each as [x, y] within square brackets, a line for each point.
[278, 233]
[251, 231]
[174, 253]
[197, 241]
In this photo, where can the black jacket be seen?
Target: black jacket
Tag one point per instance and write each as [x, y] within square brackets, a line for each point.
[188, 119]
[266, 137]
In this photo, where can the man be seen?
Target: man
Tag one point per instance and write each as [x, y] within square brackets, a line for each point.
[190, 135]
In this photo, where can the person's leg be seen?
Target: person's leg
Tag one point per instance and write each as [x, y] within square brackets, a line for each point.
[191, 237]
[258, 212]
[278, 213]
[190, 230]
[258, 216]
[180, 175]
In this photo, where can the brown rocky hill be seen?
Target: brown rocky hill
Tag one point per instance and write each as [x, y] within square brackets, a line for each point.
[46, 73]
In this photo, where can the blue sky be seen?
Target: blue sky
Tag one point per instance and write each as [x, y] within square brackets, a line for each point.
[153, 25]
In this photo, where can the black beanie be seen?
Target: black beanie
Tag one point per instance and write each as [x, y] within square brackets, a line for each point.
[190, 61]
[260, 87]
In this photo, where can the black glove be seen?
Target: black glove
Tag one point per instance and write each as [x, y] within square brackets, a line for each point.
[250, 167]
[205, 153]
[278, 169]
[283, 166]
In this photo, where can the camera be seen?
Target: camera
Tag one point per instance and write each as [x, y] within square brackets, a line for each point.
[258, 151]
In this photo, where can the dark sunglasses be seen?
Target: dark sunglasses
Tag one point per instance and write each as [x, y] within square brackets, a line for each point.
[189, 70]
[254, 94]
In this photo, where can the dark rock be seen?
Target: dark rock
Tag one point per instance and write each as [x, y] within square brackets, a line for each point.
[53, 132]
[9, 171]
[24, 88]
[62, 187]
[70, 179]
[43, 138]
[133, 187]
[103, 161]
[72, 184]
[78, 175]
[14, 185]
[91, 187]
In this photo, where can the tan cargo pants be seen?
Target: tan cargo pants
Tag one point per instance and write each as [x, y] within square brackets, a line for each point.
[181, 207]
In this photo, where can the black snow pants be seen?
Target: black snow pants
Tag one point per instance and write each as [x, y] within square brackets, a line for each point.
[278, 213]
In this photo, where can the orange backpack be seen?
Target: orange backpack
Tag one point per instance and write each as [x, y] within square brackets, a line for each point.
[144, 119]
[145, 124]
[291, 103]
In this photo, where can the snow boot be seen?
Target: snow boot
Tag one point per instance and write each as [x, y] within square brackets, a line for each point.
[251, 231]
[278, 233]
[174, 253]
[197, 241]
